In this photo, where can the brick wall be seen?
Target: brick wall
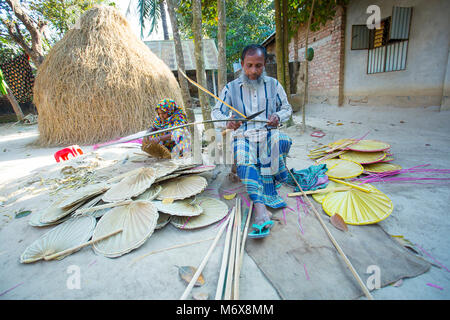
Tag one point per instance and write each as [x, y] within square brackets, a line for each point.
[326, 70]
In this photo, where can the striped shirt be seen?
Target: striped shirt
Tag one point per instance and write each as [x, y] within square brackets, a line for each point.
[269, 95]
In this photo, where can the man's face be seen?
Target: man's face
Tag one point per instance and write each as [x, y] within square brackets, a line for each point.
[253, 65]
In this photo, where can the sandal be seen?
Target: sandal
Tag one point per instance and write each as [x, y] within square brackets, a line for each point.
[261, 231]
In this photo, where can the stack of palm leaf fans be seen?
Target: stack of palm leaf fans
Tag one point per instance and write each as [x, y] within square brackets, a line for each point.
[120, 214]
[357, 204]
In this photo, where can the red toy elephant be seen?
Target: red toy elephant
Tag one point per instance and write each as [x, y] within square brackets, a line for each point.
[64, 153]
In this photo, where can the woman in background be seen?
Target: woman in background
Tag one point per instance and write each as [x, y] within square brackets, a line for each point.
[177, 141]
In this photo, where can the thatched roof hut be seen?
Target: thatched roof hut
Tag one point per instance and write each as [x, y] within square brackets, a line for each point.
[99, 82]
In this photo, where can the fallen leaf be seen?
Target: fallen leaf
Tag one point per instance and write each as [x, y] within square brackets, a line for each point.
[22, 214]
[200, 296]
[398, 283]
[337, 221]
[229, 196]
[187, 272]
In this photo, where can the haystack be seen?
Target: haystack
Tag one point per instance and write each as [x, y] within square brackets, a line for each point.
[100, 82]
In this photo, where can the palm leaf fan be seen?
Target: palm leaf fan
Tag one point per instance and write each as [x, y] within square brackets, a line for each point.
[381, 167]
[150, 194]
[320, 196]
[363, 157]
[73, 232]
[55, 212]
[138, 221]
[164, 168]
[357, 207]
[182, 187]
[213, 210]
[156, 150]
[369, 146]
[163, 220]
[199, 169]
[183, 207]
[343, 169]
[131, 186]
[83, 194]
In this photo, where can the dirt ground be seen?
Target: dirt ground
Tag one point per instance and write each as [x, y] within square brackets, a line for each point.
[421, 213]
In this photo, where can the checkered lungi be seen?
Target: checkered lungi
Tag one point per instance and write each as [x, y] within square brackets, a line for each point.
[261, 164]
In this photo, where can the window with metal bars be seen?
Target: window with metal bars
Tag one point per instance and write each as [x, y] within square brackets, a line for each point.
[388, 45]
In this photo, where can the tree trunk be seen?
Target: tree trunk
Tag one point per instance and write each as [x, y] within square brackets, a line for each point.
[162, 10]
[200, 64]
[305, 95]
[287, 78]
[35, 51]
[279, 42]
[14, 104]
[296, 46]
[180, 61]
[221, 40]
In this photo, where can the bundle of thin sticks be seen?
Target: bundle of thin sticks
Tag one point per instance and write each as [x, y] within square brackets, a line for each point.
[228, 283]
[326, 152]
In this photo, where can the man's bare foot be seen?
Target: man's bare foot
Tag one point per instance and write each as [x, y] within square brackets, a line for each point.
[261, 213]
[233, 177]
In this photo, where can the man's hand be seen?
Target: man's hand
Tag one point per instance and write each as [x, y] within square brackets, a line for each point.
[233, 125]
[149, 140]
[274, 121]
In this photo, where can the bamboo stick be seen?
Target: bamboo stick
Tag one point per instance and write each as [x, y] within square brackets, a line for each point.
[71, 250]
[352, 185]
[244, 235]
[335, 243]
[145, 133]
[223, 268]
[237, 251]
[169, 248]
[296, 194]
[204, 261]
[230, 270]
[104, 206]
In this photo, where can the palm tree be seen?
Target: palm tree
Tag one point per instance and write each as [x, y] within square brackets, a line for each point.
[151, 11]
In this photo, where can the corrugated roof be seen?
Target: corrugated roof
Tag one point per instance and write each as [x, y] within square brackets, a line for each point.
[165, 50]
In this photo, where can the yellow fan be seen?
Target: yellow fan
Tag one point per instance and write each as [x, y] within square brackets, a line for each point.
[363, 157]
[320, 196]
[369, 146]
[357, 207]
[343, 169]
[341, 143]
[381, 167]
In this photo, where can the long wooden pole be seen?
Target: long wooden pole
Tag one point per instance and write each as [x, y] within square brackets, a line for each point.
[237, 251]
[211, 94]
[335, 243]
[244, 235]
[103, 206]
[204, 261]
[145, 133]
[71, 250]
[230, 270]
[296, 194]
[226, 251]
[169, 248]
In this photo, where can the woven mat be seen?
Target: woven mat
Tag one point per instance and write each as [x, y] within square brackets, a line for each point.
[301, 262]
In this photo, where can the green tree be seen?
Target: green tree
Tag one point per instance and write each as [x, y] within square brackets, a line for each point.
[151, 11]
[247, 21]
[34, 26]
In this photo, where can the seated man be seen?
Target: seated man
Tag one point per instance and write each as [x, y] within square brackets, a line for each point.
[259, 148]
